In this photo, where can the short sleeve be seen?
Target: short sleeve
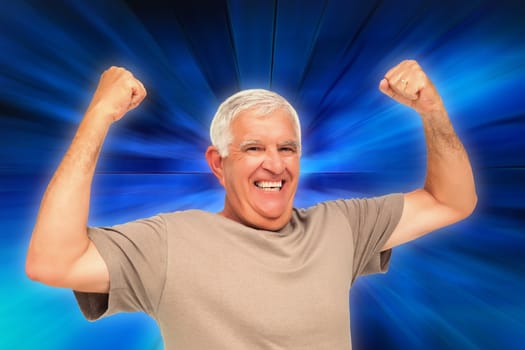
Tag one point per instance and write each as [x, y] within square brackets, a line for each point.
[135, 254]
[372, 221]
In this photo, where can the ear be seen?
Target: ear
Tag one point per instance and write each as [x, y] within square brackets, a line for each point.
[215, 163]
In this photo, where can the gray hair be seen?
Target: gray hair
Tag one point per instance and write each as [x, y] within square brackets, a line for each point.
[261, 101]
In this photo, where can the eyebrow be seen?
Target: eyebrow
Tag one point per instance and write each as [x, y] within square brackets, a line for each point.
[249, 143]
[291, 143]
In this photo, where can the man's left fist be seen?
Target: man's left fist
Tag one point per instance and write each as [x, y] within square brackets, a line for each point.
[408, 84]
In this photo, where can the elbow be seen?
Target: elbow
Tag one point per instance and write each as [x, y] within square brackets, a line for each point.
[35, 269]
[33, 272]
[33, 265]
[43, 270]
[50, 261]
[30, 271]
[473, 201]
[468, 207]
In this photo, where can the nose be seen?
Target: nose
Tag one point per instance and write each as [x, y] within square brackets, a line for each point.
[273, 162]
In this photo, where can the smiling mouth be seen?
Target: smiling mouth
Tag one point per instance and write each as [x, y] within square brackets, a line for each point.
[270, 186]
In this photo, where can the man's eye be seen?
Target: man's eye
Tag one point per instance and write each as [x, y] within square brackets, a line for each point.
[287, 149]
[254, 149]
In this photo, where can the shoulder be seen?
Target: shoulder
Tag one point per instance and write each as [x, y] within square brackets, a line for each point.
[355, 212]
[393, 201]
[194, 216]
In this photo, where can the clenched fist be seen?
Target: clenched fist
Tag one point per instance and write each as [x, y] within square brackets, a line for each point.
[408, 84]
[118, 92]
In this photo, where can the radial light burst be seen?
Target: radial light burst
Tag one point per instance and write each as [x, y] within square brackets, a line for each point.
[460, 288]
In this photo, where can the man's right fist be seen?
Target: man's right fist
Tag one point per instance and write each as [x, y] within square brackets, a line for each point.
[118, 91]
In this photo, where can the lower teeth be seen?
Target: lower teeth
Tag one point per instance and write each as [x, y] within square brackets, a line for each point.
[270, 188]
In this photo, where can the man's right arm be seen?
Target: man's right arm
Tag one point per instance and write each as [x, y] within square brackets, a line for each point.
[60, 252]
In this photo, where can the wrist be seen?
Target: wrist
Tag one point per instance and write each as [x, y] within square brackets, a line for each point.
[97, 120]
[432, 111]
[101, 115]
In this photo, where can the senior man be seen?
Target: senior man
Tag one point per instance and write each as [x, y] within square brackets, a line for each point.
[260, 274]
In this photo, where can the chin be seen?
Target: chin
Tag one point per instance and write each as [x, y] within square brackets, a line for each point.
[271, 223]
[271, 226]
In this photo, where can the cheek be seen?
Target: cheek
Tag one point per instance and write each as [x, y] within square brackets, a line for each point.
[292, 164]
[238, 173]
[248, 165]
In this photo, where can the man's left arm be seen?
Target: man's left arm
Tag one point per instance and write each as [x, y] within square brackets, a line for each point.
[449, 193]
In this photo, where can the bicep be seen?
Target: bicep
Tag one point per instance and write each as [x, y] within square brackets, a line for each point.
[89, 273]
[422, 213]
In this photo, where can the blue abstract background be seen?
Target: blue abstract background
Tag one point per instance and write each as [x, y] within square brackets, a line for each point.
[459, 288]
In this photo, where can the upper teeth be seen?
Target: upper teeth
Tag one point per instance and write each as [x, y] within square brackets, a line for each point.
[269, 184]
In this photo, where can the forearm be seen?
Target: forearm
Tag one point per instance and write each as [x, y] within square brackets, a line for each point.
[60, 252]
[60, 233]
[449, 177]
[449, 193]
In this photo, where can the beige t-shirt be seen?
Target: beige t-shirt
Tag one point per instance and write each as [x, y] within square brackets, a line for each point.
[212, 283]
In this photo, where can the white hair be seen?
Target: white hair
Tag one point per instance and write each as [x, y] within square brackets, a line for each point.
[261, 101]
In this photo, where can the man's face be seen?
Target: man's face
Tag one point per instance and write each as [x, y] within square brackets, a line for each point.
[261, 171]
